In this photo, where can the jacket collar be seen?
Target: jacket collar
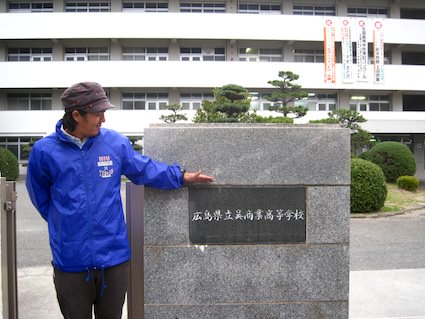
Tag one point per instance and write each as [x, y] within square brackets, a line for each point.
[64, 138]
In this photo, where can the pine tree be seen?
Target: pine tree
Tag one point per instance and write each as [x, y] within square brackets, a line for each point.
[287, 92]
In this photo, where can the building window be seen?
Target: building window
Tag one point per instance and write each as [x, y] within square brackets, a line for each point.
[202, 54]
[29, 54]
[313, 10]
[193, 101]
[374, 103]
[29, 101]
[28, 6]
[412, 13]
[259, 101]
[145, 54]
[318, 102]
[18, 146]
[413, 58]
[260, 8]
[314, 56]
[367, 12]
[260, 55]
[86, 54]
[144, 6]
[204, 7]
[414, 102]
[144, 101]
[87, 6]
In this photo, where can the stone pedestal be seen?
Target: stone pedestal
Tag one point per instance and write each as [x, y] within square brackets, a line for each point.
[267, 276]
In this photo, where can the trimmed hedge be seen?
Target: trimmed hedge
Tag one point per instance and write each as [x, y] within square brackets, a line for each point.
[368, 186]
[409, 183]
[394, 158]
[9, 166]
[272, 119]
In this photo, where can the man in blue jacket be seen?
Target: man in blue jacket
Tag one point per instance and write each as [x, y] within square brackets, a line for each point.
[73, 179]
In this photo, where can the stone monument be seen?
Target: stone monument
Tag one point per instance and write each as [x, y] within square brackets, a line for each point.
[268, 239]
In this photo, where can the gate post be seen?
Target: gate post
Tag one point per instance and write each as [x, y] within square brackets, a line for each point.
[134, 219]
[8, 278]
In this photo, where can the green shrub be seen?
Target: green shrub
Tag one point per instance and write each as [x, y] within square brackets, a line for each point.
[9, 166]
[394, 158]
[409, 183]
[271, 119]
[368, 186]
[325, 121]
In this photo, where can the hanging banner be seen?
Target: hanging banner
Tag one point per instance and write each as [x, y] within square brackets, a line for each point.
[329, 52]
[378, 52]
[347, 52]
[361, 52]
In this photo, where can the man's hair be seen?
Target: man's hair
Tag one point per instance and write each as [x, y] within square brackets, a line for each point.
[68, 121]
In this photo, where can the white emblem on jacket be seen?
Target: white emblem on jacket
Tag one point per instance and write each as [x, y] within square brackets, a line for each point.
[105, 161]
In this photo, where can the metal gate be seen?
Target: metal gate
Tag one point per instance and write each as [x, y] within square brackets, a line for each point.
[9, 282]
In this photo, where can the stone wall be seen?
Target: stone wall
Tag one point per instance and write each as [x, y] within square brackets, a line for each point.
[264, 280]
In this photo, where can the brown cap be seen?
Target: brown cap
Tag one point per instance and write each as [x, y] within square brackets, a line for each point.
[85, 96]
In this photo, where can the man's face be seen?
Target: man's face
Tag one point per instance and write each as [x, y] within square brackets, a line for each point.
[88, 124]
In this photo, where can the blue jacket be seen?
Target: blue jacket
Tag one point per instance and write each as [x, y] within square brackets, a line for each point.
[77, 191]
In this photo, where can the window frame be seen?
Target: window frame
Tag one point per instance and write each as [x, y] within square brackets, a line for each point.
[304, 55]
[150, 101]
[259, 8]
[367, 12]
[145, 54]
[314, 102]
[87, 6]
[28, 55]
[202, 7]
[313, 10]
[80, 54]
[145, 6]
[17, 143]
[30, 99]
[383, 103]
[202, 54]
[194, 100]
[260, 55]
[46, 6]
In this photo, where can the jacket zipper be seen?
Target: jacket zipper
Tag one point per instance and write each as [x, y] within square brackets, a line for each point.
[89, 219]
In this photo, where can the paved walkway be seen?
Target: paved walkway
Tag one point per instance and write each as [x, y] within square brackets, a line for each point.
[398, 293]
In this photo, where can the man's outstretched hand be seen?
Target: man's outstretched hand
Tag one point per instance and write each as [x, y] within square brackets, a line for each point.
[197, 177]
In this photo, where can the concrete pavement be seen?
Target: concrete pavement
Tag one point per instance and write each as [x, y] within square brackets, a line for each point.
[396, 293]
[387, 268]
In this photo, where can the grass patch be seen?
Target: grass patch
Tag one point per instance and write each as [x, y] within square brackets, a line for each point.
[390, 209]
[400, 199]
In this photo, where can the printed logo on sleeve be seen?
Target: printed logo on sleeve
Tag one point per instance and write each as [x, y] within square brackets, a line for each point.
[105, 162]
